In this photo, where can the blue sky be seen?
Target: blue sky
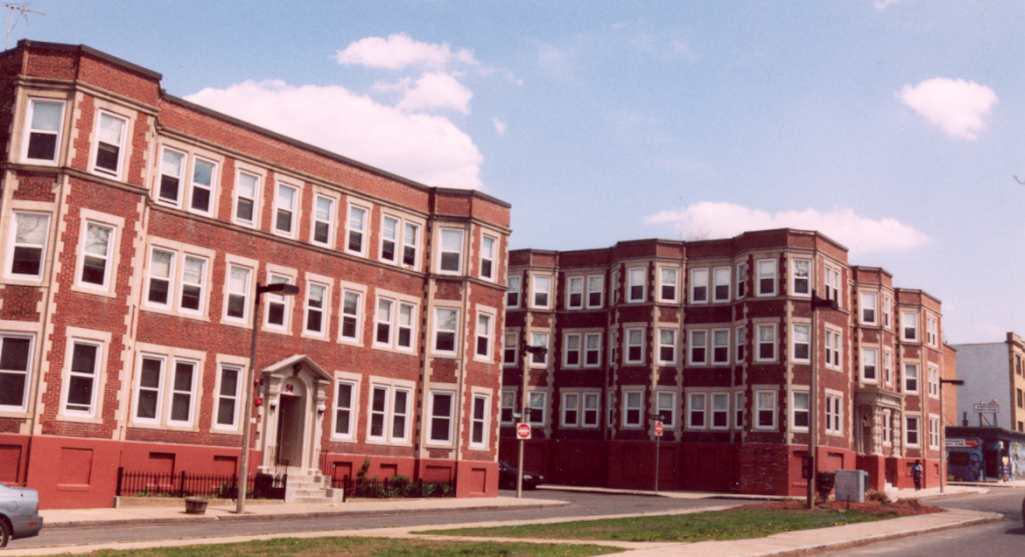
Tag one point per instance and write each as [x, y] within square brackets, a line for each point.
[894, 125]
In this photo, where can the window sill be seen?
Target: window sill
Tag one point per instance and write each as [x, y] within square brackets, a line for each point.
[94, 290]
[349, 439]
[275, 330]
[174, 313]
[236, 323]
[23, 280]
[314, 336]
[81, 419]
[386, 443]
[350, 342]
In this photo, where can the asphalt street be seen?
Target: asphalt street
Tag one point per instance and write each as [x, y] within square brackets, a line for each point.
[1000, 539]
[580, 504]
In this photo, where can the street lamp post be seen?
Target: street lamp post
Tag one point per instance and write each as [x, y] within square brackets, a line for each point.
[943, 432]
[524, 411]
[283, 289]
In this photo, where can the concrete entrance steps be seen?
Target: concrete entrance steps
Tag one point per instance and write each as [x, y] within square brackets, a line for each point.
[311, 488]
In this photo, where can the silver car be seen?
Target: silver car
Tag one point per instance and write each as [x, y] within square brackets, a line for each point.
[19, 513]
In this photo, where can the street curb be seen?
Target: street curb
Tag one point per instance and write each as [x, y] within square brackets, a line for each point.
[667, 495]
[259, 517]
[993, 517]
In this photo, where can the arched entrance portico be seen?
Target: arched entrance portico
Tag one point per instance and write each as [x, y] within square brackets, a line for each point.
[295, 395]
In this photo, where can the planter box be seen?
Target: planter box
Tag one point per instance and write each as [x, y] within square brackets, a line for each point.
[195, 505]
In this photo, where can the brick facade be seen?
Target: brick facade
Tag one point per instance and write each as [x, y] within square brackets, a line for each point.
[663, 319]
[135, 228]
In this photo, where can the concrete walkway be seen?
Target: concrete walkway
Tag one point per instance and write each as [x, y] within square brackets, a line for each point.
[893, 493]
[993, 483]
[58, 518]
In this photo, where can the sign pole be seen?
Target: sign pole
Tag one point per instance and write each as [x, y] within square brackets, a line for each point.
[658, 442]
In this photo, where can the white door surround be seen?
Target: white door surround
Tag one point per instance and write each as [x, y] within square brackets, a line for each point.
[295, 399]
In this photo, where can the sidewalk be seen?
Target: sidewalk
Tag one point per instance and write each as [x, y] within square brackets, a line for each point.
[892, 493]
[911, 493]
[990, 483]
[61, 518]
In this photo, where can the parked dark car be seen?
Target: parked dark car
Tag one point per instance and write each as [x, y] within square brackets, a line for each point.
[507, 477]
[19, 513]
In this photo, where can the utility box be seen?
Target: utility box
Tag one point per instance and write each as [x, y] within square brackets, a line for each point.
[850, 485]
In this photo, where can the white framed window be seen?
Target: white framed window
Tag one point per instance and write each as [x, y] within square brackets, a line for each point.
[910, 378]
[384, 318]
[887, 427]
[351, 328]
[721, 347]
[595, 291]
[389, 408]
[450, 256]
[800, 413]
[286, 209]
[934, 432]
[610, 407]
[932, 330]
[539, 360]
[721, 284]
[575, 293]
[442, 417]
[147, 397]
[15, 362]
[411, 244]
[108, 151]
[446, 325]
[834, 347]
[888, 366]
[636, 284]
[26, 245]
[909, 325]
[511, 348]
[160, 276]
[390, 227]
[912, 429]
[570, 409]
[43, 130]
[513, 291]
[633, 408]
[665, 408]
[741, 333]
[356, 229]
[405, 335]
[869, 365]
[537, 408]
[633, 345]
[668, 283]
[738, 410]
[765, 409]
[933, 381]
[166, 391]
[480, 421]
[84, 362]
[572, 349]
[767, 277]
[488, 256]
[591, 411]
[887, 311]
[541, 291]
[317, 310]
[172, 172]
[324, 211]
[868, 302]
[95, 256]
[834, 413]
[202, 188]
[178, 279]
[230, 379]
[192, 294]
[396, 235]
[800, 280]
[697, 347]
[278, 313]
[238, 286]
[485, 331]
[698, 286]
[766, 340]
[667, 346]
[246, 206]
[741, 280]
[720, 411]
[508, 410]
[592, 349]
[801, 342]
[346, 401]
[832, 283]
[697, 410]
[183, 388]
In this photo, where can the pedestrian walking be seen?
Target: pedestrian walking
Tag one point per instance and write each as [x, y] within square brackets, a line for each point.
[916, 474]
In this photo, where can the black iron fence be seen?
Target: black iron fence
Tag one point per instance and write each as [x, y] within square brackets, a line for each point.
[185, 484]
[398, 486]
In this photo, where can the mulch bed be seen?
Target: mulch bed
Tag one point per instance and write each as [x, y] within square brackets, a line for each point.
[904, 507]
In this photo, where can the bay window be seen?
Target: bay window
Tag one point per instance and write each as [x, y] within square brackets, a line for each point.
[27, 244]
[451, 252]
[446, 322]
[110, 136]
[45, 122]
[696, 410]
[203, 175]
[488, 253]
[15, 359]
[698, 286]
[767, 277]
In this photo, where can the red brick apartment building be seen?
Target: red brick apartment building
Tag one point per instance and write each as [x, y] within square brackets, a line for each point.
[712, 338]
[136, 226]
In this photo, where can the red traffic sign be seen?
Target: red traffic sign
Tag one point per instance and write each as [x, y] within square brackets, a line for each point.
[658, 428]
[523, 430]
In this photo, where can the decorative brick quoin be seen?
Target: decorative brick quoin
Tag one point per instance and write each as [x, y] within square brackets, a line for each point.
[713, 339]
[135, 227]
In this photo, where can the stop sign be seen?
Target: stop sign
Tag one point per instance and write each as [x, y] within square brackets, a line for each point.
[523, 430]
[658, 428]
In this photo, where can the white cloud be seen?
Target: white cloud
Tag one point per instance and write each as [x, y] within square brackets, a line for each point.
[399, 50]
[499, 125]
[427, 148]
[707, 220]
[432, 90]
[959, 108]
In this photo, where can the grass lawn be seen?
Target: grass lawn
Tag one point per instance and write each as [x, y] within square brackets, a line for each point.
[365, 547]
[731, 524]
